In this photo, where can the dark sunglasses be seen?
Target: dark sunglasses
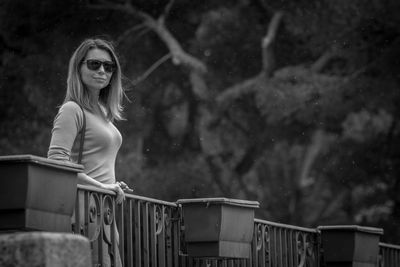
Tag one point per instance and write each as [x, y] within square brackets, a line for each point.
[94, 64]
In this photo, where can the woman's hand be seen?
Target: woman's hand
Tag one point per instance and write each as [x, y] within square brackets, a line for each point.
[124, 186]
[117, 189]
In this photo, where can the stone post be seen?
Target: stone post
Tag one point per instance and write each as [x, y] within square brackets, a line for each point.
[44, 249]
[350, 245]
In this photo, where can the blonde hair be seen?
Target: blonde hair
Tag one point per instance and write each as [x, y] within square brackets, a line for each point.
[111, 96]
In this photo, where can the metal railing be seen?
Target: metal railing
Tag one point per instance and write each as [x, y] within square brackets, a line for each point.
[389, 255]
[282, 245]
[148, 232]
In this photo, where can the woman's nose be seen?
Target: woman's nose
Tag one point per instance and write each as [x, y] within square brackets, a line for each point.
[101, 69]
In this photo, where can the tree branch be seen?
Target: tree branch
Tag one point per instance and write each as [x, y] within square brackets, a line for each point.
[179, 56]
[129, 31]
[323, 60]
[236, 91]
[126, 7]
[309, 158]
[151, 69]
[268, 65]
[267, 44]
[167, 10]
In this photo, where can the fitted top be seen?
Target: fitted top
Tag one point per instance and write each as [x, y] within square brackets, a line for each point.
[102, 141]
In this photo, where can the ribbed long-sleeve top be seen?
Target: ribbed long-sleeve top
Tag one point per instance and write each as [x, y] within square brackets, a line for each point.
[102, 141]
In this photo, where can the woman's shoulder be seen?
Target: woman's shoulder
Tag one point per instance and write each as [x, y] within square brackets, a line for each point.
[70, 105]
[71, 108]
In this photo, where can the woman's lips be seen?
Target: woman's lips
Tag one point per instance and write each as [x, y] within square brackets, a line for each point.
[99, 79]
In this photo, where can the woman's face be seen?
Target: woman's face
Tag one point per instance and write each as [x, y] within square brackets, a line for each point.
[96, 70]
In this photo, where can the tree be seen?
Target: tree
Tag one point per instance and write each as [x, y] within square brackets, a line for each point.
[293, 104]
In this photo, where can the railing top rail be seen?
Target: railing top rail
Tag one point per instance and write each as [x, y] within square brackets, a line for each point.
[386, 245]
[288, 226]
[148, 199]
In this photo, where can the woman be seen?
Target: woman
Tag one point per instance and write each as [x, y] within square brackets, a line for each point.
[94, 94]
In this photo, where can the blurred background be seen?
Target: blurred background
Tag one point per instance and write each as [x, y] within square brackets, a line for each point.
[290, 103]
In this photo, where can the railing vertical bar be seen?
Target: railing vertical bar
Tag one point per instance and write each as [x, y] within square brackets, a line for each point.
[77, 224]
[281, 258]
[276, 246]
[290, 246]
[275, 243]
[271, 247]
[169, 241]
[161, 239]
[254, 258]
[268, 245]
[392, 257]
[84, 231]
[101, 234]
[296, 248]
[175, 227]
[263, 245]
[153, 239]
[316, 249]
[129, 243]
[186, 261]
[138, 233]
[120, 223]
[285, 248]
[113, 227]
[146, 241]
[385, 259]
[190, 262]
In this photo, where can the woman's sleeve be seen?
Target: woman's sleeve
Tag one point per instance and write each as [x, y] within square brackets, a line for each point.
[67, 125]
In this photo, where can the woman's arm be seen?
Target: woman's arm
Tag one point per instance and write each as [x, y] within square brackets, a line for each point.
[87, 180]
[67, 124]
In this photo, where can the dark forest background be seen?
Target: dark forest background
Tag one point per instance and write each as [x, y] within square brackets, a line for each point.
[291, 103]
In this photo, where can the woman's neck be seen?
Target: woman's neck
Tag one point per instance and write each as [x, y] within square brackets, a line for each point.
[94, 97]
